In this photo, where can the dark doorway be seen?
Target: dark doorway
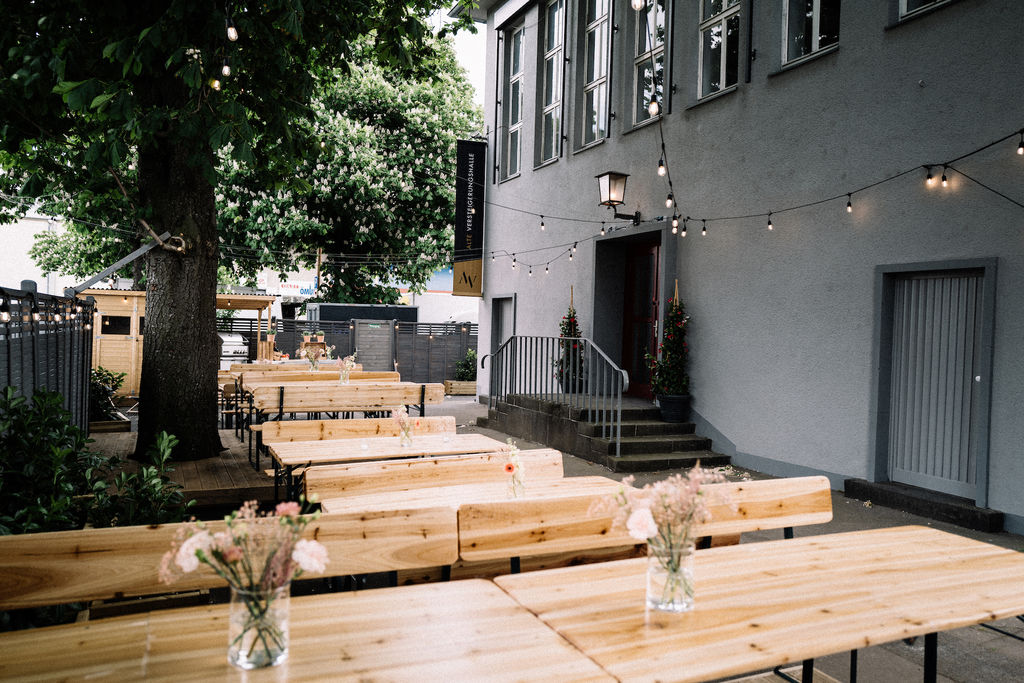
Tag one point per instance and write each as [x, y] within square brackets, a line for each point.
[640, 314]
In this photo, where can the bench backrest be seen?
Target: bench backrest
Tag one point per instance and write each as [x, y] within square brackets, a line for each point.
[277, 367]
[276, 431]
[319, 376]
[743, 506]
[329, 397]
[337, 481]
[97, 564]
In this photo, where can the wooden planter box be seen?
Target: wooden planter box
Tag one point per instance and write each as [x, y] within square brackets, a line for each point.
[106, 426]
[454, 388]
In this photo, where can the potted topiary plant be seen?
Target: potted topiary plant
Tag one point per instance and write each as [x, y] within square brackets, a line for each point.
[569, 369]
[669, 380]
[319, 335]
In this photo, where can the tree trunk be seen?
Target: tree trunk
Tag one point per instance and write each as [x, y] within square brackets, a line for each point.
[181, 349]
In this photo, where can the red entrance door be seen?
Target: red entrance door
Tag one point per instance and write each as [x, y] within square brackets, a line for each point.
[640, 316]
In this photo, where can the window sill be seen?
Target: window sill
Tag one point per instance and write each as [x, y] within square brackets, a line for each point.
[650, 121]
[590, 145]
[796, 63]
[710, 98]
[511, 177]
[917, 14]
[549, 162]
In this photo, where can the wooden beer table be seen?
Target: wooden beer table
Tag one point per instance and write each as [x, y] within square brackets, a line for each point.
[759, 605]
[459, 631]
[291, 454]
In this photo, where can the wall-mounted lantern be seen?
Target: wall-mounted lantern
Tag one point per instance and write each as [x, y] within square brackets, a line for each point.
[612, 186]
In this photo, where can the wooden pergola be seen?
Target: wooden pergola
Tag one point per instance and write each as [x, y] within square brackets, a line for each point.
[252, 302]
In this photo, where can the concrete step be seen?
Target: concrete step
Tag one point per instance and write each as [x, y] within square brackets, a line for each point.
[653, 462]
[931, 504]
[664, 443]
[641, 428]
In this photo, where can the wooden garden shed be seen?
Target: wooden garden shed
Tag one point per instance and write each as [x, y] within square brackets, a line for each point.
[119, 327]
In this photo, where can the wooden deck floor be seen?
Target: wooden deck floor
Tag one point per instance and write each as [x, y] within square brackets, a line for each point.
[227, 480]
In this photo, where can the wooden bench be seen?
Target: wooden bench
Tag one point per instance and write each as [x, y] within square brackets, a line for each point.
[100, 564]
[277, 367]
[745, 506]
[276, 431]
[337, 481]
[330, 375]
[325, 397]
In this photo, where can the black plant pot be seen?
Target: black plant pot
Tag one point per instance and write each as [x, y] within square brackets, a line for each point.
[675, 407]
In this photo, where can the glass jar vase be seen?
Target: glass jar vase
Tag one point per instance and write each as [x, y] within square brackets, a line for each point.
[258, 627]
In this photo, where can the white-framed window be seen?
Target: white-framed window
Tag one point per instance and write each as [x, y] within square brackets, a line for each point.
[649, 60]
[594, 45]
[719, 45]
[913, 6]
[550, 82]
[810, 25]
[512, 103]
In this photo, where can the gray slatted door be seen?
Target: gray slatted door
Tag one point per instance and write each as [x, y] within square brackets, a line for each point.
[936, 328]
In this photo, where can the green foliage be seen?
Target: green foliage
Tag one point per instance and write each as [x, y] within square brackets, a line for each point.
[465, 369]
[44, 465]
[569, 364]
[147, 496]
[338, 121]
[668, 369]
[103, 385]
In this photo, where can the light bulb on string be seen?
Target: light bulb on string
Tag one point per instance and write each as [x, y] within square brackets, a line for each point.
[531, 271]
[602, 228]
[638, 4]
[226, 69]
[542, 222]
[653, 108]
[683, 232]
[215, 83]
[492, 257]
[945, 182]
[661, 167]
[770, 226]
[849, 202]
[675, 224]
[574, 247]
[668, 201]
[570, 255]
[1020, 147]
[546, 271]
[230, 27]
[930, 180]
[703, 228]
[513, 261]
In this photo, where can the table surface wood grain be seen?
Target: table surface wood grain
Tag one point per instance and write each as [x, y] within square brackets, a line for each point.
[463, 630]
[763, 604]
[457, 495]
[300, 453]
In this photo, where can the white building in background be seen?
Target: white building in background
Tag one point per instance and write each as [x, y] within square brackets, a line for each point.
[16, 264]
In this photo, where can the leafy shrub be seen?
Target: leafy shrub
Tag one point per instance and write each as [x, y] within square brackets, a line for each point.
[465, 369]
[103, 385]
[44, 465]
[146, 496]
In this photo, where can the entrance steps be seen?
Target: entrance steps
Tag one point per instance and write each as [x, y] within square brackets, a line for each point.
[648, 443]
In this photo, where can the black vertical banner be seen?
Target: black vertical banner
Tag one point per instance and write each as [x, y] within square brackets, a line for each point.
[470, 164]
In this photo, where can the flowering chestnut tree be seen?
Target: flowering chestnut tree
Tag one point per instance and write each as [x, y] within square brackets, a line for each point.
[134, 106]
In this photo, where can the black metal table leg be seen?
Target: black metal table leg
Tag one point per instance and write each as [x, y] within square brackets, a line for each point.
[931, 657]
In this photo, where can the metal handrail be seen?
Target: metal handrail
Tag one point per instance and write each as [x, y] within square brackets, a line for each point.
[571, 371]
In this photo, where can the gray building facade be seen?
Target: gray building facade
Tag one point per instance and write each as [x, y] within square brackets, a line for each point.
[849, 318]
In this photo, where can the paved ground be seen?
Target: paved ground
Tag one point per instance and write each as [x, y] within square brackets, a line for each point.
[974, 654]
